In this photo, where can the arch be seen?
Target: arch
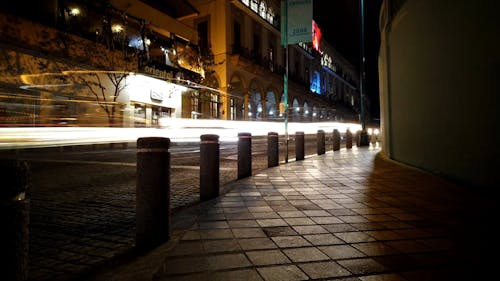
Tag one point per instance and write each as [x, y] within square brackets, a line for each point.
[237, 84]
[295, 108]
[255, 102]
[306, 111]
[315, 112]
[271, 102]
[213, 108]
[237, 93]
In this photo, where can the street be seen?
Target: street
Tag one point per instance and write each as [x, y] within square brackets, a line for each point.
[83, 202]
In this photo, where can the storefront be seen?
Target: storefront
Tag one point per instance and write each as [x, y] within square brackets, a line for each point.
[151, 102]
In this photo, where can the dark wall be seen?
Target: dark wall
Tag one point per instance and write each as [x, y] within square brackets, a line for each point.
[440, 70]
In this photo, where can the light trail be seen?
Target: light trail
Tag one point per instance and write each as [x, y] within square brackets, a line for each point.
[177, 130]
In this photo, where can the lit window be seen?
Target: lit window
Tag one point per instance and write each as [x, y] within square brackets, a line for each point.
[75, 11]
[263, 9]
[246, 2]
[116, 28]
[255, 5]
[270, 16]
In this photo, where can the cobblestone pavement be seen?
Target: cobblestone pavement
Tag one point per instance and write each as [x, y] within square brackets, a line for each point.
[348, 215]
[75, 229]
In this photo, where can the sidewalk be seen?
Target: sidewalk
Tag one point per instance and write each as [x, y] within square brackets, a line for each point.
[348, 215]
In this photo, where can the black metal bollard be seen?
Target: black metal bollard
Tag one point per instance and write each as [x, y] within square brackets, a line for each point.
[153, 192]
[272, 149]
[299, 145]
[348, 139]
[320, 142]
[14, 214]
[244, 155]
[336, 140]
[209, 167]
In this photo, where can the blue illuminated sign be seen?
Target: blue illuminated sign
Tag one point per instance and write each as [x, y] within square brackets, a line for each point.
[316, 83]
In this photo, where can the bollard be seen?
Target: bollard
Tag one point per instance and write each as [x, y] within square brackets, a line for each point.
[209, 167]
[272, 149]
[336, 140]
[320, 142]
[363, 138]
[348, 139]
[244, 155]
[152, 192]
[356, 137]
[14, 214]
[299, 146]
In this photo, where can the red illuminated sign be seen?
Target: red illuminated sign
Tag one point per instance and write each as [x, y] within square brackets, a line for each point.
[316, 36]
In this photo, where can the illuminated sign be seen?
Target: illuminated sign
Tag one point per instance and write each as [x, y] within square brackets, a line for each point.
[327, 61]
[316, 83]
[297, 16]
[316, 36]
[158, 96]
[158, 72]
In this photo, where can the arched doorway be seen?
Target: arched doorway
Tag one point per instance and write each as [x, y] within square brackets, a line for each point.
[306, 112]
[255, 102]
[236, 92]
[271, 105]
[295, 109]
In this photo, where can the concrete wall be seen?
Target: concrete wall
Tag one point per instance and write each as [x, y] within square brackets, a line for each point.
[439, 77]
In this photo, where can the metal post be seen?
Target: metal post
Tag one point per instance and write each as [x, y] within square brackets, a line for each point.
[362, 137]
[336, 140]
[244, 155]
[14, 218]
[284, 32]
[320, 142]
[362, 62]
[153, 192]
[299, 145]
[209, 167]
[272, 149]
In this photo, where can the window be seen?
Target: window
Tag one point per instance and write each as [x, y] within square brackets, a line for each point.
[195, 105]
[263, 9]
[159, 114]
[214, 106]
[139, 115]
[270, 16]
[271, 58]
[203, 36]
[237, 37]
[255, 5]
[232, 113]
[256, 45]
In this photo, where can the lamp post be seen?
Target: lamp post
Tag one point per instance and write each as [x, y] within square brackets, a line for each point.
[363, 136]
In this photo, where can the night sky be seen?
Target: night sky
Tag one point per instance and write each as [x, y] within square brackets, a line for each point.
[340, 23]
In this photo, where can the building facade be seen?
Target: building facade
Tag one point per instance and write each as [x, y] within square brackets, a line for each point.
[245, 39]
[95, 63]
[136, 63]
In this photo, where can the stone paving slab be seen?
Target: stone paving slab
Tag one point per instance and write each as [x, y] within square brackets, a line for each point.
[348, 215]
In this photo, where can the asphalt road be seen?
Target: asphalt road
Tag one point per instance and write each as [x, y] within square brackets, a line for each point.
[83, 202]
